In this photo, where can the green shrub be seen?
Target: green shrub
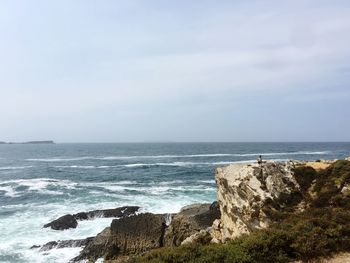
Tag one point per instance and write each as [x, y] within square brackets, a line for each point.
[329, 184]
[304, 176]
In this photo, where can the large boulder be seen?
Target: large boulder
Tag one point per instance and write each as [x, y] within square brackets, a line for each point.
[62, 223]
[189, 221]
[248, 194]
[132, 235]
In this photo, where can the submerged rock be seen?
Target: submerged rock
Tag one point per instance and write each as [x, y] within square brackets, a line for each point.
[116, 212]
[70, 221]
[62, 223]
[63, 244]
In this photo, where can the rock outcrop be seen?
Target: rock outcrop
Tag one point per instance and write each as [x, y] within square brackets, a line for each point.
[62, 223]
[137, 234]
[123, 211]
[202, 237]
[132, 235]
[70, 221]
[248, 193]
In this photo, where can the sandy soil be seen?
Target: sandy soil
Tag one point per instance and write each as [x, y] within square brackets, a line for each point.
[319, 165]
[340, 258]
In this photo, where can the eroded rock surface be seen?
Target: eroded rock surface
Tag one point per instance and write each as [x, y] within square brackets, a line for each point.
[246, 194]
[190, 221]
[127, 236]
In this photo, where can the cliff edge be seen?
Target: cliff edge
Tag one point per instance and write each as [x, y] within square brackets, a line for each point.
[248, 192]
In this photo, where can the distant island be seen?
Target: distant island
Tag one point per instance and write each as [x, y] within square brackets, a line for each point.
[30, 142]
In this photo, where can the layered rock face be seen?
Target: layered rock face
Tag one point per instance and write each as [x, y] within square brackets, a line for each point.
[127, 236]
[246, 192]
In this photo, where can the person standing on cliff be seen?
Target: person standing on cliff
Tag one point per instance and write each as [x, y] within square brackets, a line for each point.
[260, 160]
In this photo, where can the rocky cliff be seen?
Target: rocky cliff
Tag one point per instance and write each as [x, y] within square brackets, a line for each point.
[246, 192]
[253, 196]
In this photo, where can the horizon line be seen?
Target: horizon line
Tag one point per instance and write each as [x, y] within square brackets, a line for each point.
[126, 142]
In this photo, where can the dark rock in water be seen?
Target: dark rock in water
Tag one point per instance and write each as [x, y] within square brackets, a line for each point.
[127, 236]
[62, 223]
[81, 216]
[35, 246]
[49, 245]
[63, 244]
[70, 221]
[190, 221]
[116, 212]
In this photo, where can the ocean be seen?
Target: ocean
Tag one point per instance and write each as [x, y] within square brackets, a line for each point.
[39, 183]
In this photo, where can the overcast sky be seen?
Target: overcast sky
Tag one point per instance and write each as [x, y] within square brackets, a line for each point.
[121, 71]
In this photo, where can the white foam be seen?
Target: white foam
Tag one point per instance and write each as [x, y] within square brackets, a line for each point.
[76, 166]
[162, 156]
[15, 167]
[38, 185]
[284, 153]
[58, 159]
[107, 166]
[26, 230]
[207, 181]
[170, 182]
[178, 164]
[9, 191]
[158, 189]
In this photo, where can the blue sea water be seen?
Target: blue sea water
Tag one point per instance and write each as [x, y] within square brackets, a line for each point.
[39, 183]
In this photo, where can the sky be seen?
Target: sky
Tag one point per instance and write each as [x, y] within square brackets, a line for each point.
[153, 71]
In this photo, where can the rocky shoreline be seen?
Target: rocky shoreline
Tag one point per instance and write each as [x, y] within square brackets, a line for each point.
[250, 198]
[134, 233]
